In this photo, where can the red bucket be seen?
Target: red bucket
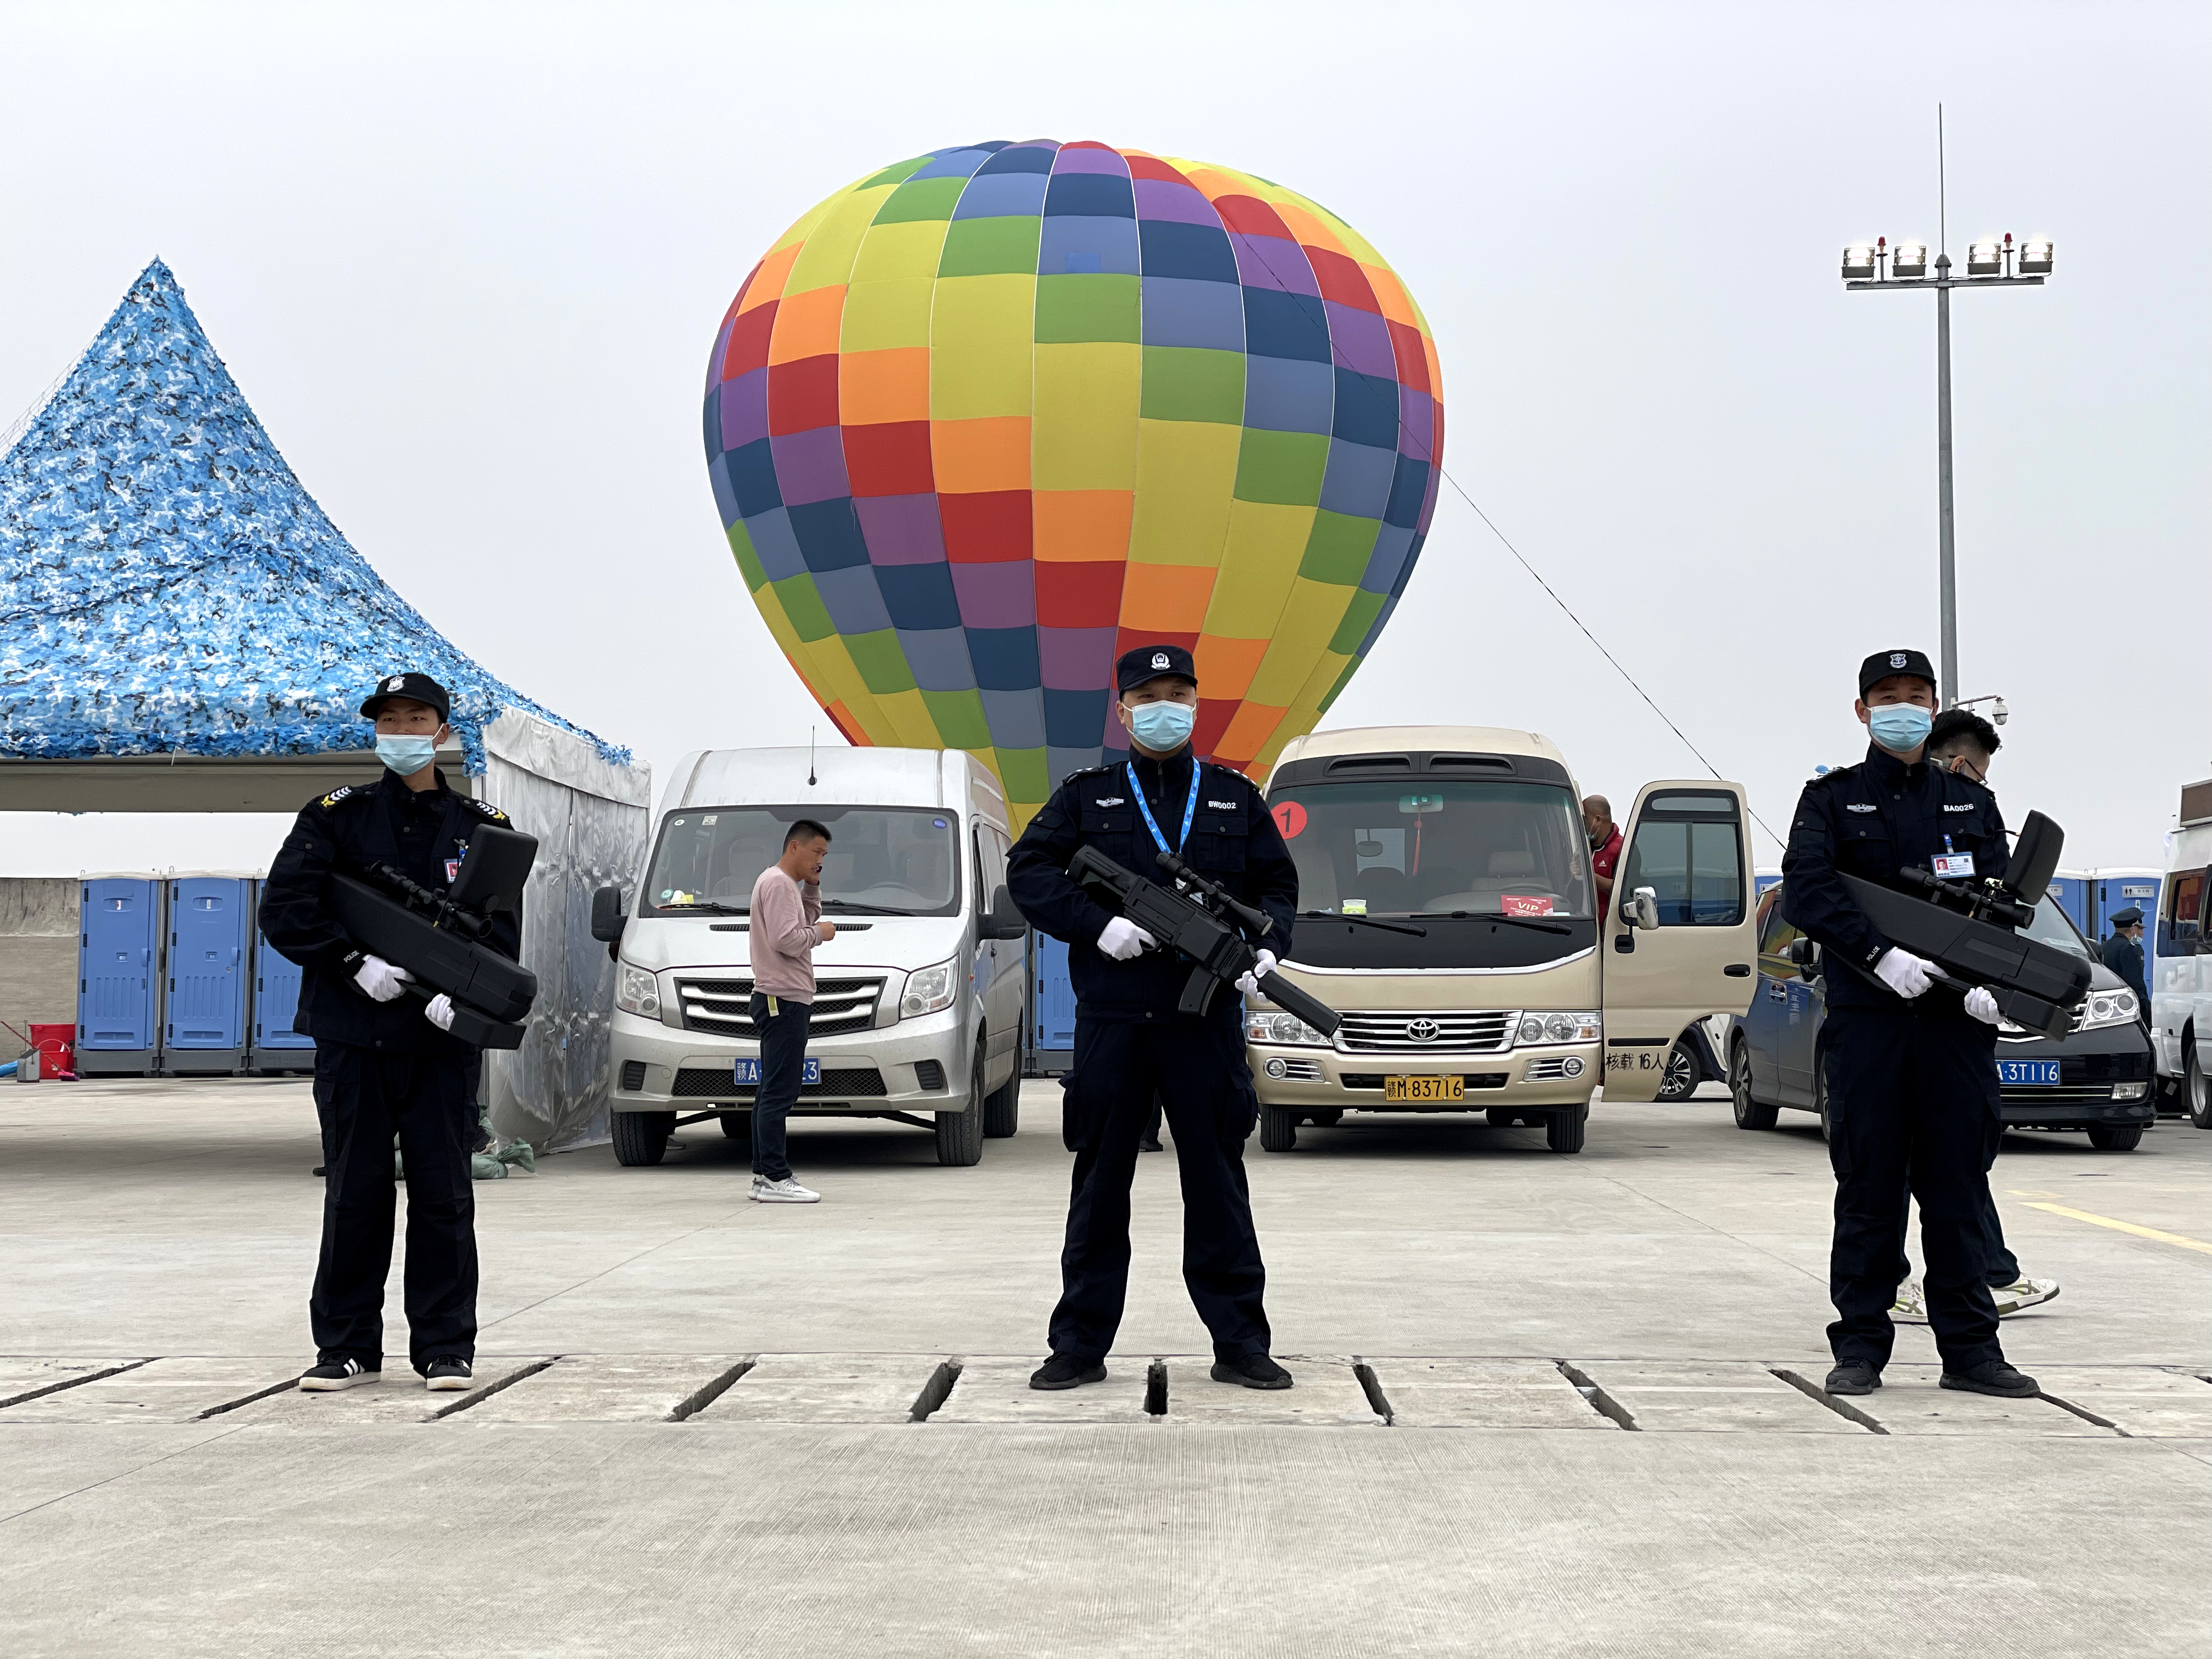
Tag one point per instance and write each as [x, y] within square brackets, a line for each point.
[56, 1046]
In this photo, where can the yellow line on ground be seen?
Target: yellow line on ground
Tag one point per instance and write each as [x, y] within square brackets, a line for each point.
[2125, 1227]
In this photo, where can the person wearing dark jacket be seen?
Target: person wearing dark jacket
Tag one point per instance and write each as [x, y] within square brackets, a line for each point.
[1130, 1041]
[1910, 1065]
[2124, 954]
[385, 1062]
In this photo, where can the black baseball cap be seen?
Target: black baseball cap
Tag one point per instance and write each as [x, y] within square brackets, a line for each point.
[1883, 664]
[1149, 662]
[421, 687]
[2130, 917]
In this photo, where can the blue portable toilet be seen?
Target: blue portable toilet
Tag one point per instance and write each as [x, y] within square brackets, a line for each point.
[210, 958]
[119, 969]
[1052, 1009]
[1763, 879]
[2115, 889]
[277, 1045]
[2071, 889]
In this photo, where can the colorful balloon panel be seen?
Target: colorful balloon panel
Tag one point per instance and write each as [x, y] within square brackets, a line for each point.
[986, 419]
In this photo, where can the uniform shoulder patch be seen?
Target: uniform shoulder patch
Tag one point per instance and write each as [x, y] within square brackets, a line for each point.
[1831, 776]
[1086, 772]
[1230, 771]
[487, 809]
[334, 798]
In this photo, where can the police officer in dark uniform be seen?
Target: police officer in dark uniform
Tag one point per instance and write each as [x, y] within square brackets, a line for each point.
[385, 1061]
[1911, 1067]
[1131, 1043]
[2124, 954]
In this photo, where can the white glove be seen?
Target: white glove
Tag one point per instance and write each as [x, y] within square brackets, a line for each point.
[1981, 1005]
[1123, 939]
[1903, 973]
[1249, 983]
[439, 1011]
[380, 978]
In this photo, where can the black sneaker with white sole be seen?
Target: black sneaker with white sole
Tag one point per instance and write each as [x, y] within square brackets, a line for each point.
[448, 1374]
[329, 1375]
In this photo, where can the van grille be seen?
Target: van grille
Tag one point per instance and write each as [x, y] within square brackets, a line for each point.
[1484, 1032]
[718, 1006]
[2057, 1096]
[848, 1083]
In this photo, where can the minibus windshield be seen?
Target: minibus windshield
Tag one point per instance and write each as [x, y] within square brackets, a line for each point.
[883, 860]
[1438, 849]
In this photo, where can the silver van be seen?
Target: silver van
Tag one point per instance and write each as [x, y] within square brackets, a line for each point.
[918, 1000]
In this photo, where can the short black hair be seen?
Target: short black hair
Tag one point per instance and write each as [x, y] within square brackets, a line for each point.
[806, 830]
[1952, 723]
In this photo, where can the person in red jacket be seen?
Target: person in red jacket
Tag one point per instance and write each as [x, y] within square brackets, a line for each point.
[1605, 845]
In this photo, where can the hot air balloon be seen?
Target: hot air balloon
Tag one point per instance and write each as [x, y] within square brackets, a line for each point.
[984, 419]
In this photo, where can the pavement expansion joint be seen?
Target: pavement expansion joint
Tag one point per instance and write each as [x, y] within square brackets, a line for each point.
[478, 1396]
[1842, 1407]
[692, 1404]
[56, 1386]
[1601, 1403]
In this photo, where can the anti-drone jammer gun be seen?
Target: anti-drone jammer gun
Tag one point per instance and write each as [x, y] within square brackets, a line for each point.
[1971, 931]
[440, 938]
[1182, 921]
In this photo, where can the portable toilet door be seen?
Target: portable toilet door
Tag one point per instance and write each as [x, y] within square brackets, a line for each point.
[119, 936]
[2116, 890]
[277, 1045]
[1052, 1010]
[2071, 889]
[209, 957]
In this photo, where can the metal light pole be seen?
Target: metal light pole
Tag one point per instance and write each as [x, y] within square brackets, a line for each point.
[1989, 263]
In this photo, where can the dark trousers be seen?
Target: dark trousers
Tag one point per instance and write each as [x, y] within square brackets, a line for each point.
[783, 1062]
[363, 1097]
[1912, 1107]
[1203, 1084]
[2000, 1266]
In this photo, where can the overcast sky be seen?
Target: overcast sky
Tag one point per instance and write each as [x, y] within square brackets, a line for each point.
[467, 262]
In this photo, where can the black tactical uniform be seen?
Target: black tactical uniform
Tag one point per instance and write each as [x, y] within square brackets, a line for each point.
[1911, 1084]
[1131, 1043]
[381, 1069]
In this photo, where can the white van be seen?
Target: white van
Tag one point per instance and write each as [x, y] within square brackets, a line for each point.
[1447, 910]
[918, 1000]
[2180, 969]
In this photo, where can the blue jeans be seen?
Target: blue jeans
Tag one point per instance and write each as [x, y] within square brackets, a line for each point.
[783, 1058]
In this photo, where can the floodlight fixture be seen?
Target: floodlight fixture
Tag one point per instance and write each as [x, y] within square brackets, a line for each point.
[1909, 262]
[1862, 263]
[1986, 258]
[2035, 257]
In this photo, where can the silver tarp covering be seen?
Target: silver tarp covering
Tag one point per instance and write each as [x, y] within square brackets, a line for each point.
[591, 819]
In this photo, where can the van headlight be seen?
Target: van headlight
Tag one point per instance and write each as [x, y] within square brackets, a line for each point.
[1268, 1025]
[636, 992]
[2106, 1008]
[1579, 1025]
[928, 991]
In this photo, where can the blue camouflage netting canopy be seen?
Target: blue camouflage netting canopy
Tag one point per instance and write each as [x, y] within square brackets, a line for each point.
[167, 588]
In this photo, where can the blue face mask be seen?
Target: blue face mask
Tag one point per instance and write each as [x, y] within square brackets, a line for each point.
[1162, 726]
[1899, 727]
[405, 755]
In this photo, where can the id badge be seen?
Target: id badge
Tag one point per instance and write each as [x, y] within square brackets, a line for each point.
[1954, 866]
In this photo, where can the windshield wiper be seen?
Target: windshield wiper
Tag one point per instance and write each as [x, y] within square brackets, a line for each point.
[1492, 915]
[865, 909]
[716, 905]
[1364, 921]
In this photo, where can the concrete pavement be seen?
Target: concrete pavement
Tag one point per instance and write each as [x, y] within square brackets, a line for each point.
[1546, 1406]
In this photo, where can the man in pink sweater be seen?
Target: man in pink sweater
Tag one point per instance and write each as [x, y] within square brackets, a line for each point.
[786, 926]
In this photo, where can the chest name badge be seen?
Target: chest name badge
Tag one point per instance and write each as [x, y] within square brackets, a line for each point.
[453, 871]
[1954, 866]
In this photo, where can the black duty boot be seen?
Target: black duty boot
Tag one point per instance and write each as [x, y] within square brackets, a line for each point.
[1252, 1370]
[1854, 1377]
[1060, 1371]
[1992, 1376]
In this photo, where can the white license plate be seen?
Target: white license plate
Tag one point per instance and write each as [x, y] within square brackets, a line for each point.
[810, 1073]
[2028, 1073]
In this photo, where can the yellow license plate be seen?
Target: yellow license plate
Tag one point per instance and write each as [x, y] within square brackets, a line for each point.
[1425, 1088]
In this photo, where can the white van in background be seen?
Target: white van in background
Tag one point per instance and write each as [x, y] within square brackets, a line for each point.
[918, 1000]
[2180, 965]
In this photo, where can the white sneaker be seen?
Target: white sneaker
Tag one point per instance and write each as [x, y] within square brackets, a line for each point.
[1911, 1307]
[2023, 1292]
[786, 1191]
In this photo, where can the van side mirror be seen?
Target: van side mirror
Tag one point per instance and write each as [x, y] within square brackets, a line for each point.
[609, 916]
[1004, 921]
[1806, 953]
[1641, 908]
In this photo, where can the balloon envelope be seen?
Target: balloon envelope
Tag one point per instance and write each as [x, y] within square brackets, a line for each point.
[986, 419]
